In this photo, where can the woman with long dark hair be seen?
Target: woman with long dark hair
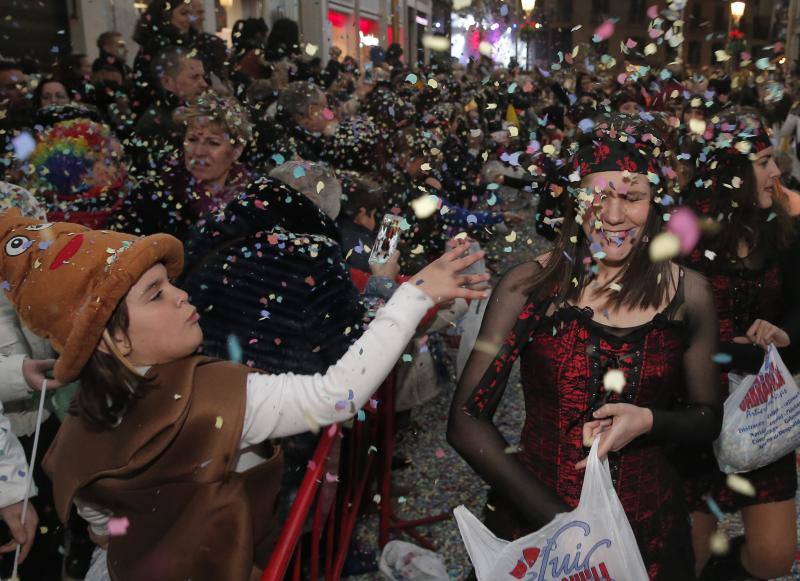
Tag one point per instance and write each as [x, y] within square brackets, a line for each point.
[755, 283]
[597, 303]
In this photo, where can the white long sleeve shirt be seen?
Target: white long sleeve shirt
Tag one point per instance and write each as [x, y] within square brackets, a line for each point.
[287, 404]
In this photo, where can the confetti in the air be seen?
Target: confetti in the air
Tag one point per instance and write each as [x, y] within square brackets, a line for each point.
[665, 246]
[741, 485]
[118, 527]
[614, 380]
[436, 43]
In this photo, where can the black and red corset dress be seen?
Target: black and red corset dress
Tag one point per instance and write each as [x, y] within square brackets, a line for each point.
[741, 296]
[562, 373]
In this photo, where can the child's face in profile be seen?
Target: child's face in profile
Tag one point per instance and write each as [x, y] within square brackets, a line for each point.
[163, 325]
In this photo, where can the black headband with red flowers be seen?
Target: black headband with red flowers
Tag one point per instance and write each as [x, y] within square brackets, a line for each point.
[614, 155]
[728, 143]
[618, 143]
[736, 135]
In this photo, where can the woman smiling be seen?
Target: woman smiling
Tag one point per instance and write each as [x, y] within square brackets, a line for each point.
[207, 175]
[596, 304]
[748, 256]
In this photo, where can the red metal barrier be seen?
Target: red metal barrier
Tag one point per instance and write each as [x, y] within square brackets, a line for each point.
[288, 545]
[389, 522]
[358, 464]
[355, 472]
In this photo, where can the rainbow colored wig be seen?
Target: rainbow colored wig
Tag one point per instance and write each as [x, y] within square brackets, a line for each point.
[66, 153]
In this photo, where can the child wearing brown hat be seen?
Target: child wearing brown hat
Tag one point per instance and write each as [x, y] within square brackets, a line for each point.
[158, 437]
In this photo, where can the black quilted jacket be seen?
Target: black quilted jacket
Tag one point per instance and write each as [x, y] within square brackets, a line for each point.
[269, 280]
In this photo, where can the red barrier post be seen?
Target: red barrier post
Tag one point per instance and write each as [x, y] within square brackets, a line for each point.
[389, 521]
[290, 533]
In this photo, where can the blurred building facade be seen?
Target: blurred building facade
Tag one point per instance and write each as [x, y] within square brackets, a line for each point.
[43, 28]
[564, 24]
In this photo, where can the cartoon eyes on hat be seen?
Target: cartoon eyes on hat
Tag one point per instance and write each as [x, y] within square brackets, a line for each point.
[38, 227]
[17, 245]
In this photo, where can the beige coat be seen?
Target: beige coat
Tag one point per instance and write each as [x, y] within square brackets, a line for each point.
[17, 343]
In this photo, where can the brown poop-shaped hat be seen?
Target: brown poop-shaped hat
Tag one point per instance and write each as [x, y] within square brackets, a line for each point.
[66, 280]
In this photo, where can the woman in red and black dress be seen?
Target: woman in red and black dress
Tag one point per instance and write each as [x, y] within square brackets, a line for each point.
[756, 286]
[597, 303]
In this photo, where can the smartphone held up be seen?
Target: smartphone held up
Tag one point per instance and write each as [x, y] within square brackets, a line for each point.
[387, 240]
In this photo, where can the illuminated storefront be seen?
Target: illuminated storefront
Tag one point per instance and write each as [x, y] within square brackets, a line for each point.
[355, 40]
[467, 34]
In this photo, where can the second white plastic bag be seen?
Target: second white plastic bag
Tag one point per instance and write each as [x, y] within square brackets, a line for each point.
[594, 541]
[761, 422]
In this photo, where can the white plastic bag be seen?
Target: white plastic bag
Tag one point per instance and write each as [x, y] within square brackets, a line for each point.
[593, 542]
[401, 561]
[762, 418]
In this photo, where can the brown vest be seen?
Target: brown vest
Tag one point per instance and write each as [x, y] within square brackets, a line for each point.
[169, 468]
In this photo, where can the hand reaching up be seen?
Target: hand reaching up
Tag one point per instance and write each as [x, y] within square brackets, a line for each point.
[441, 280]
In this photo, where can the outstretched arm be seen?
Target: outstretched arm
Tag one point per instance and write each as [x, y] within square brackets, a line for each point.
[478, 441]
[286, 404]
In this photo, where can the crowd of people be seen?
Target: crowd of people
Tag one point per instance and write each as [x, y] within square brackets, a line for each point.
[242, 189]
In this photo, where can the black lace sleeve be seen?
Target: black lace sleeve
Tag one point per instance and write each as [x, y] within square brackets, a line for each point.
[698, 419]
[474, 435]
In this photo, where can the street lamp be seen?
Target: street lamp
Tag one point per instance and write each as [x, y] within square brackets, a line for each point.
[529, 5]
[737, 11]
